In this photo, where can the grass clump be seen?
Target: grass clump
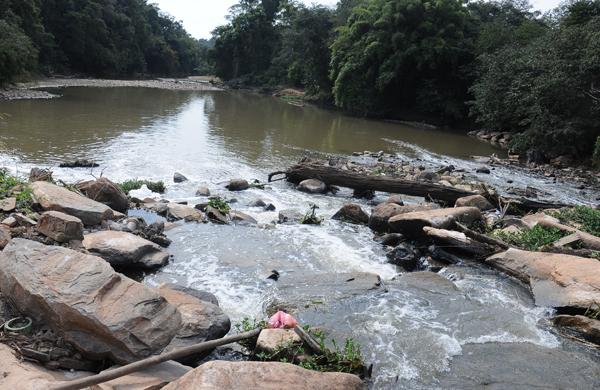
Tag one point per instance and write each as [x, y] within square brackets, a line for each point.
[531, 239]
[220, 204]
[311, 218]
[136, 184]
[584, 218]
[12, 186]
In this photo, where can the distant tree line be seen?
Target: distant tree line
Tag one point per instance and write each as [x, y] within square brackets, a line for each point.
[494, 63]
[107, 38]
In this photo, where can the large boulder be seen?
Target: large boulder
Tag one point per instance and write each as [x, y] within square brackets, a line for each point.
[412, 224]
[124, 249]
[54, 198]
[176, 211]
[312, 186]
[5, 236]
[105, 191]
[352, 213]
[556, 280]
[201, 320]
[223, 375]
[381, 214]
[474, 201]
[151, 378]
[60, 227]
[102, 313]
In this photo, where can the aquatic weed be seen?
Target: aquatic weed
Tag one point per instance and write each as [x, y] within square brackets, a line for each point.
[136, 184]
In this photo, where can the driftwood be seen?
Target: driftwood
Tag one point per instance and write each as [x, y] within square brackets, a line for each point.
[440, 254]
[459, 241]
[152, 361]
[360, 181]
[589, 240]
[481, 237]
[308, 340]
[573, 252]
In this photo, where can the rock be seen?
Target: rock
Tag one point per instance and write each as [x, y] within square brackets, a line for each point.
[216, 216]
[382, 213]
[257, 203]
[270, 207]
[105, 191]
[289, 216]
[241, 218]
[124, 249]
[395, 198]
[10, 222]
[82, 163]
[405, 256]
[273, 340]
[427, 176]
[151, 378]
[54, 198]
[38, 174]
[179, 178]
[60, 227]
[223, 375]
[352, 213]
[203, 191]
[200, 321]
[363, 194]
[5, 236]
[8, 204]
[102, 313]
[391, 239]
[483, 170]
[201, 295]
[237, 185]
[412, 224]
[23, 220]
[17, 374]
[582, 326]
[474, 201]
[312, 186]
[176, 212]
[556, 280]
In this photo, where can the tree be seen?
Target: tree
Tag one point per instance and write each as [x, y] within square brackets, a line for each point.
[17, 53]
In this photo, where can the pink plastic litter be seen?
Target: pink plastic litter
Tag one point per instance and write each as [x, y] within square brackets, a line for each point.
[282, 320]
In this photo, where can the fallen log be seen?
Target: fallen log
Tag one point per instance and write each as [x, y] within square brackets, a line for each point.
[152, 361]
[589, 240]
[481, 237]
[459, 241]
[360, 181]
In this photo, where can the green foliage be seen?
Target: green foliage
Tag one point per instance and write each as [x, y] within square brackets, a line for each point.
[531, 239]
[136, 184]
[247, 324]
[596, 155]
[11, 186]
[17, 53]
[584, 218]
[311, 218]
[220, 204]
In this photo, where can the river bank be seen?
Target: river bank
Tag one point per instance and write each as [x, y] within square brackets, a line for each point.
[34, 89]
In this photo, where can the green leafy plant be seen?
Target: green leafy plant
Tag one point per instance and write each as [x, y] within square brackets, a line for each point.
[531, 239]
[581, 217]
[220, 204]
[136, 184]
[12, 186]
[311, 218]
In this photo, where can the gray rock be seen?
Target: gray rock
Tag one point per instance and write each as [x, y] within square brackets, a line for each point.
[352, 213]
[237, 185]
[201, 295]
[289, 216]
[8, 204]
[102, 313]
[216, 216]
[179, 178]
[106, 192]
[474, 201]
[312, 186]
[241, 218]
[412, 224]
[60, 227]
[203, 191]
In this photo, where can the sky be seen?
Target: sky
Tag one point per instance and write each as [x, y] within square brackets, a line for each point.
[200, 17]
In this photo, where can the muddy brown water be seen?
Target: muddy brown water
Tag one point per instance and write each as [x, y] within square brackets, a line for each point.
[466, 327]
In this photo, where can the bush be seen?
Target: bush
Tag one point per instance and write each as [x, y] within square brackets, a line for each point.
[581, 217]
[596, 155]
[532, 239]
[135, 184]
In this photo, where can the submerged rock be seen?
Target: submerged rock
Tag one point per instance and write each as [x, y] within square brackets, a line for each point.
[54, 198]
[105, 191]
[124, 249]
[289, 216]
[203, 191]
[405, 256]
[242, 218]
[179, 178]
[352, 213]
[412, 224]
[312, 186]
[102, 313]
[556, 280]
[238, 185]
[223, 375]
[60, 227]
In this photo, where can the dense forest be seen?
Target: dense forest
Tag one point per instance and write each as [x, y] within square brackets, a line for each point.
[107, 38]
[495, 63]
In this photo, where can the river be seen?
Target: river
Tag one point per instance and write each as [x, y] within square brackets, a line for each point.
[467, 327]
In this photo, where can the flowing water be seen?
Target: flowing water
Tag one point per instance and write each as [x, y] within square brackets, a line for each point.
[466, 327]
